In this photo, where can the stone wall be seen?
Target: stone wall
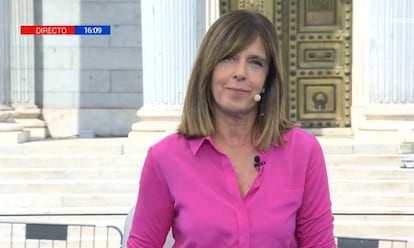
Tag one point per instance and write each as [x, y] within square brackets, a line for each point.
[89, 84]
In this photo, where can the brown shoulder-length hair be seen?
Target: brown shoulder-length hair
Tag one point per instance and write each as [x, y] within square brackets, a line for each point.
[229, 35]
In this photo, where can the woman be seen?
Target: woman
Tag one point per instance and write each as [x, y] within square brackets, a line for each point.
[237, 173]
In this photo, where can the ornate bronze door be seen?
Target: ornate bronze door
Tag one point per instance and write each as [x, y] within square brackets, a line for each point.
[315, 41]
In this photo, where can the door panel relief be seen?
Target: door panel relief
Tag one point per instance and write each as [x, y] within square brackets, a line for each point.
[319, 60]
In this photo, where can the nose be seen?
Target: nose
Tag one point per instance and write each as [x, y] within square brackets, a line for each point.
[239, 73]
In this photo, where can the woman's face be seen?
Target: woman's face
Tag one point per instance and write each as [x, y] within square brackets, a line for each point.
[238, 78]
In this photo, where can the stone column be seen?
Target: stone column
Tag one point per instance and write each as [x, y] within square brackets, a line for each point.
[391, 52]
[4, 56]
[212, 12]
[23, 69]
[171, 33]
[10, 131]
[383, 91]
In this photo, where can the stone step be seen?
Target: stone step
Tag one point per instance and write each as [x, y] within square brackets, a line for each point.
[112, 184]
[71, 161]
[80, 178]
[366, 201]
[37, 202]
[124, 145]
[29, 202]
[69, 186]
[369, 172]
[393, 227]
[117, 170]
[81, 146]
[405, 185]
[349, 145]
[82, 202]
[85, 173]
[366, 160]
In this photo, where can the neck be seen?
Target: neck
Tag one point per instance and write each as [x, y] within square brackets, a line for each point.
[234, 131]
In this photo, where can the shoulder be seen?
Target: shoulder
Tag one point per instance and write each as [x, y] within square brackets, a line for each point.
[163, 153]
[172, 151]
[298, 135]
[298, 139]
[170, 142]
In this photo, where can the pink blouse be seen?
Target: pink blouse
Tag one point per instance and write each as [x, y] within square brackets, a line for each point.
[189, 185]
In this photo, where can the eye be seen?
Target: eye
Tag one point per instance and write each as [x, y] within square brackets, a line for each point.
[229, 58]
[257, 62]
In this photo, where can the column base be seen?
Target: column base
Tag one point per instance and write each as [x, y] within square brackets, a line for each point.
[387, 123]
[29, 118]
[155, 126]
[37, 128]
[152, 130]
[147, 137]
[155, 119]
[149, 132]
[13, 133]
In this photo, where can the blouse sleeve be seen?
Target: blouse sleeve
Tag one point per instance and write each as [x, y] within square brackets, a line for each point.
[315, 219]
[154, 209]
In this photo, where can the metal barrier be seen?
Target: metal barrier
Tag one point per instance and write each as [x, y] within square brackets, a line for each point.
[355, 242]
[44, 235]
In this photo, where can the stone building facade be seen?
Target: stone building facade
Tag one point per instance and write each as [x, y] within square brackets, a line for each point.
[134, 80]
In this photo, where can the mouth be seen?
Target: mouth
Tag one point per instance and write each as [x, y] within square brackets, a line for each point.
[238, 90]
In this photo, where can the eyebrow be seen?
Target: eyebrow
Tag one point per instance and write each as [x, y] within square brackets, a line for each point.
[258, 57]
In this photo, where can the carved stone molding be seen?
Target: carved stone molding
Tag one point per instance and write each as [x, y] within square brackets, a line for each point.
[255, 5]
